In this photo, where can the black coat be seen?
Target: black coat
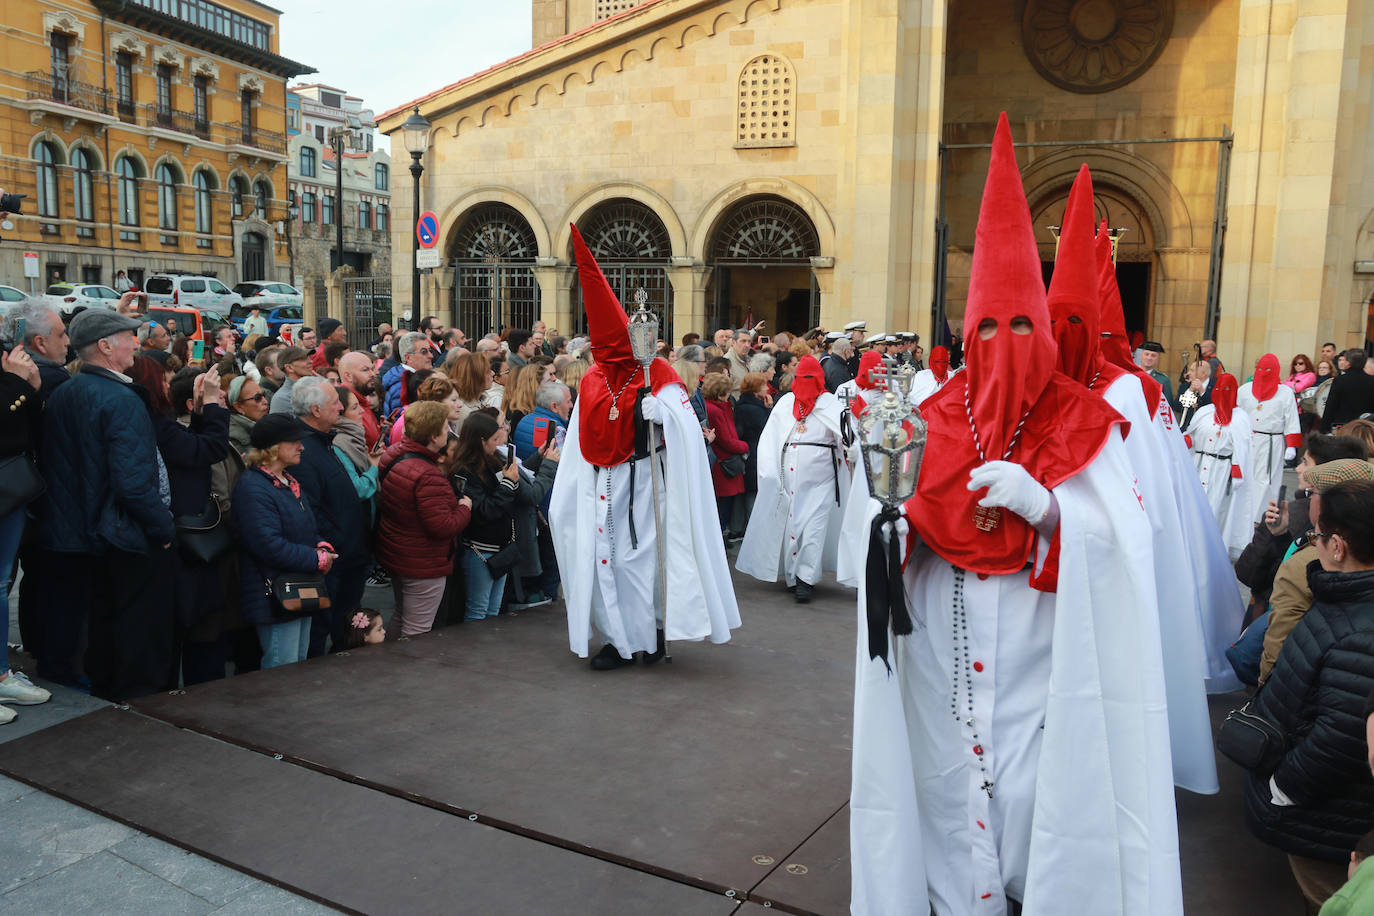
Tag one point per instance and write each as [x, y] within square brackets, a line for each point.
[340, 517]
[836, 372]
[276, 534]
[1316, 696]
[751, 416]
[1352, 393]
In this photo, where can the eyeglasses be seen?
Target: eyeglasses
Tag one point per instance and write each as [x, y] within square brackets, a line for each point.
[1314, 535]
[260, 396]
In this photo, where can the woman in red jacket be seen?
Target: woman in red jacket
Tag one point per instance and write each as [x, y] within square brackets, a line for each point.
[720, 416]
[421, 518]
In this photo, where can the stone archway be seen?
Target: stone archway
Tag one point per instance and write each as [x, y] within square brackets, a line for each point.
[493, 251]
[760, 250]
[632, 245]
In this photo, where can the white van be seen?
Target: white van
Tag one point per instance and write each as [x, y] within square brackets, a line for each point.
[191, 291]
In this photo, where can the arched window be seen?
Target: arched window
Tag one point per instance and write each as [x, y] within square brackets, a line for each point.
[260, 198]
[204, 211]
[128, 190]
[238, 190]
[47, 179]
[382, 174]
[764, 111]
[166, 196]
[82, 192]
[364, 215]
[307, 162]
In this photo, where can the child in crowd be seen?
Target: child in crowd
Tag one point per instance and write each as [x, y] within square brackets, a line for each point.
[1357, 895]
[365, 628]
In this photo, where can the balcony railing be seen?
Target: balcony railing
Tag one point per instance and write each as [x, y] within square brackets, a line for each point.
[186, 123]
[268, 140]
[56, 87]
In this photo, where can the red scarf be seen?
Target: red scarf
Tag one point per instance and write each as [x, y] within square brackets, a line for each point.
[808, 383]
[1009, 383]
[613, 383]
[1115, 348]
[1224, 398]
[1266, 380]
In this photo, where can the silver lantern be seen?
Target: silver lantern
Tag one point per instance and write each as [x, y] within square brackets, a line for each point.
[893, 438]
[643, 331]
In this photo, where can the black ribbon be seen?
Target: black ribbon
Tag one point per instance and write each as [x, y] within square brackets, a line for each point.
[885, 592]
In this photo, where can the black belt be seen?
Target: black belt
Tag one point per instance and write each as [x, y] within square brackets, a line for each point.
[835, 462]
[1215, 455]
[634, 459]
[1263, 433]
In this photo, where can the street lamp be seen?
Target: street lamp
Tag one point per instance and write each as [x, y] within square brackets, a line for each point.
[292, 211]
[415, 135]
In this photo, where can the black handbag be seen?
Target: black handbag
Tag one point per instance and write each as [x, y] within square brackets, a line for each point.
[205, 536]
[505, 559]
[20, 483]
[733, 466]
[1251, 740]
[298, 594]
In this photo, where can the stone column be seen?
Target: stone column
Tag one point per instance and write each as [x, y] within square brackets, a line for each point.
[833, 313]
[689, 281]
[555, 294]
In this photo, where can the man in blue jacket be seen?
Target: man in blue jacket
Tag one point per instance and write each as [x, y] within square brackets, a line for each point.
[341, 518]
[552, 404]
[415, 353]
[107, 514]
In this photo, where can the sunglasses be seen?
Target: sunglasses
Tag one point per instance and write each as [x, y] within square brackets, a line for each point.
[260, 396]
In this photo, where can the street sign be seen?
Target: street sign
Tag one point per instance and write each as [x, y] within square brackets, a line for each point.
[30, 263]
[427, 257]
[427, 229]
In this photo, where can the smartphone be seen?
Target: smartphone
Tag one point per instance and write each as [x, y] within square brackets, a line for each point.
[460, 483]
[558, 438]
[762, 339]
[1283, 491]
[20, 328]
[197, 349]
[541, 431]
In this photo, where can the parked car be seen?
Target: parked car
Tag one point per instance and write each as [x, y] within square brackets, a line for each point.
[268, 293]
[197, 324]
[71, 298]
[276, 317]
[191, 290]
[9, 298]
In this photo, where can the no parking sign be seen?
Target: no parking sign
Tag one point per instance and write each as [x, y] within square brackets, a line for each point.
[427, 229]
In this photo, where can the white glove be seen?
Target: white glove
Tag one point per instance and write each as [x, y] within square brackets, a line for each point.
[1290, 453]
[649, 408]
[1011, 486]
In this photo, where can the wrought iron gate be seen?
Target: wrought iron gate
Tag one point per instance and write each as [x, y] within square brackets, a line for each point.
[493, 295]
[366, 304]
[624, 280]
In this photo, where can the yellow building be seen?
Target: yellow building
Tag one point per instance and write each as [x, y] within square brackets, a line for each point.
[822, 160]
[148, 135]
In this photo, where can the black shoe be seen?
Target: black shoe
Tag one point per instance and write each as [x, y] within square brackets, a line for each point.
[803, 592]
[652, 657]
[608, 659]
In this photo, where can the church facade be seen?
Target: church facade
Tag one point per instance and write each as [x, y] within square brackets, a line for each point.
[808, 162]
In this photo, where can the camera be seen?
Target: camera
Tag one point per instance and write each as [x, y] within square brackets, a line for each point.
[12, 203]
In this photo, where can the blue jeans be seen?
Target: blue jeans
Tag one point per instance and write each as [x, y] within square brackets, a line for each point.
[284, 643]
[484, 593]
[11, 529]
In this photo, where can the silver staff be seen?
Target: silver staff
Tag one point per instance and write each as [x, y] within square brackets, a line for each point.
[644, 344]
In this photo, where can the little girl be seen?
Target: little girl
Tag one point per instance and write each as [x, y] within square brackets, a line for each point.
[365, 629]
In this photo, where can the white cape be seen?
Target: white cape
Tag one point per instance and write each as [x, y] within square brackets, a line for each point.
[762, 553]
[1271, 422]
[620, 594]
[1228, 496]
[1104, 836]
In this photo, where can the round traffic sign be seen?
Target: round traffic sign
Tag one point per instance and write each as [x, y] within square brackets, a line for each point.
[427, 229]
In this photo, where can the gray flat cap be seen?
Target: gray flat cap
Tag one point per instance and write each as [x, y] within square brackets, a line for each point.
[97, 324]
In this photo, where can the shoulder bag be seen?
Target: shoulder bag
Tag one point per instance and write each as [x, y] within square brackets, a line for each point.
[20, 483]
[1251, 740]
[732, 466]
[297, 594]
[505, 559]
[204, 537]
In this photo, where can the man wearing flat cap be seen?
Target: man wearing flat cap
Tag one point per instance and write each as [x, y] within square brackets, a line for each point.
[1149, 356]
[106, 516]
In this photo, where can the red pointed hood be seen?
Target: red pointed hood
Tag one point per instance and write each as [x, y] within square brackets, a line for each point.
[1266, 381]
[939, 363]
[807, 384]
[1006, 372]
[607, 323]
[1114, 348]
[1073, 299]
[871, 360]
[1224, 397]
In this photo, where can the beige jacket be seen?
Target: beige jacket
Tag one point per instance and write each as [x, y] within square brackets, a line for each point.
[1289, 601]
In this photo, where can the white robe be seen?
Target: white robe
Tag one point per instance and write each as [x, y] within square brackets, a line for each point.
[1228, 496]
[1271, 422]
[1069, 709]
[610, 587]
[925, 384]
[1221, 610]
[794, 529]
[1180, 617]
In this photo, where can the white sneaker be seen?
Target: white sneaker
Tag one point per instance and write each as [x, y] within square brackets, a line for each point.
[18, 689]
[7, 715]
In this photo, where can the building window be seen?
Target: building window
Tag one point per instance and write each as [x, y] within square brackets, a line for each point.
[202, 88]
[90, 273]
[293, 119]
[246, 115]
[764, 111]
[364, 215]
[382, 176]
[47, 179]
[308, 162]
[331, 100]
[327, 210]
[124, 83]
[319, 132]
[260, 198]
[59, 50]
[82, 191]
[383, 218]
[307, 207]
[204, 211]
[128, 192]
[166, 197]
[164, 95]
[605, 9]
[214, 18]
[238, 190]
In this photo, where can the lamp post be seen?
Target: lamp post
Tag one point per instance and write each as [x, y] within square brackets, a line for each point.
[336, 141]
[415, 134]
[292, 211]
